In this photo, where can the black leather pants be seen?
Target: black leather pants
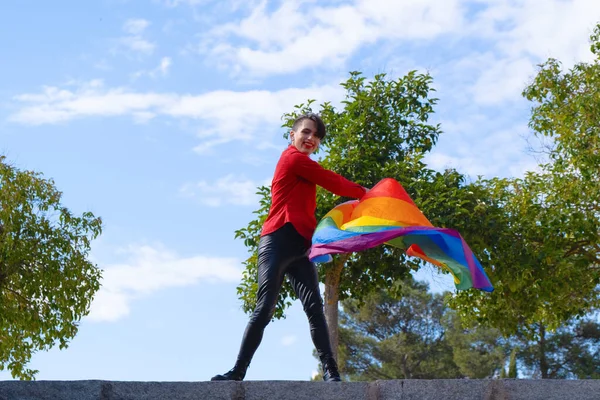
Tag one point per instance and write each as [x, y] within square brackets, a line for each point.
[281, 253]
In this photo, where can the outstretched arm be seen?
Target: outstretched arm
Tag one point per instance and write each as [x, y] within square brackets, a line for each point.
[310, 170]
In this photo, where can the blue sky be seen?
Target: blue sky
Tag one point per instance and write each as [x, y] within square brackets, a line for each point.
[162, 117]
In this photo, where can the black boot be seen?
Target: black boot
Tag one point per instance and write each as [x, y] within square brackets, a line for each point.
[330, 370]
[237, 373]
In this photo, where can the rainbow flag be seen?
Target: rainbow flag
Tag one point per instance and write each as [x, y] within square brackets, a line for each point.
[387, 215]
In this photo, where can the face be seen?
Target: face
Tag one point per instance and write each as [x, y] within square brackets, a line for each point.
[305, 139]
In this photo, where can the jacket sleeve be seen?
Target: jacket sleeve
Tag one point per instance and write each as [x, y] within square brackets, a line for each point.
[305, 167]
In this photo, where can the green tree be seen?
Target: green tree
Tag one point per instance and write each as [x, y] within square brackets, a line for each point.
[414, 336]
[571, 351]
[46, 280]
[567, 111]
[478, 351]
[546, 259]
[396, 338]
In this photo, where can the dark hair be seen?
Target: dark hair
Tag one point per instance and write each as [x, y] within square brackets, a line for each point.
[313, 117]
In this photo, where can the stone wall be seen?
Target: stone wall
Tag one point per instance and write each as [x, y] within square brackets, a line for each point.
[503, 389]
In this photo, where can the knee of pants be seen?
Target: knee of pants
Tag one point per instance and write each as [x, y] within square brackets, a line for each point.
[262, 315]
[314, 308]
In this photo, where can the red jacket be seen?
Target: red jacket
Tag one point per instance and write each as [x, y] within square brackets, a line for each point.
[294, 192]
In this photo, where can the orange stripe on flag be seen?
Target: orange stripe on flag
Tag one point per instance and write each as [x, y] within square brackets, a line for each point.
[391, 209]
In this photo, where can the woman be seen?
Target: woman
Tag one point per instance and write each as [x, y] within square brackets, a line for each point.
[285, 242]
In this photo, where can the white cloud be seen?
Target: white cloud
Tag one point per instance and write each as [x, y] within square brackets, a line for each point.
[497, 44]
[138, 44]
[479, 145]
[226, 115]
[503, 79]
[516, 35]
[485, 116]
[109, 306]
[165, 65]
[521, 34]
[298, 35]
[135, 26]
[289, 340]
[150, 269]
[162, 69]
[540, 28]
[226, 190]
[135, 41]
